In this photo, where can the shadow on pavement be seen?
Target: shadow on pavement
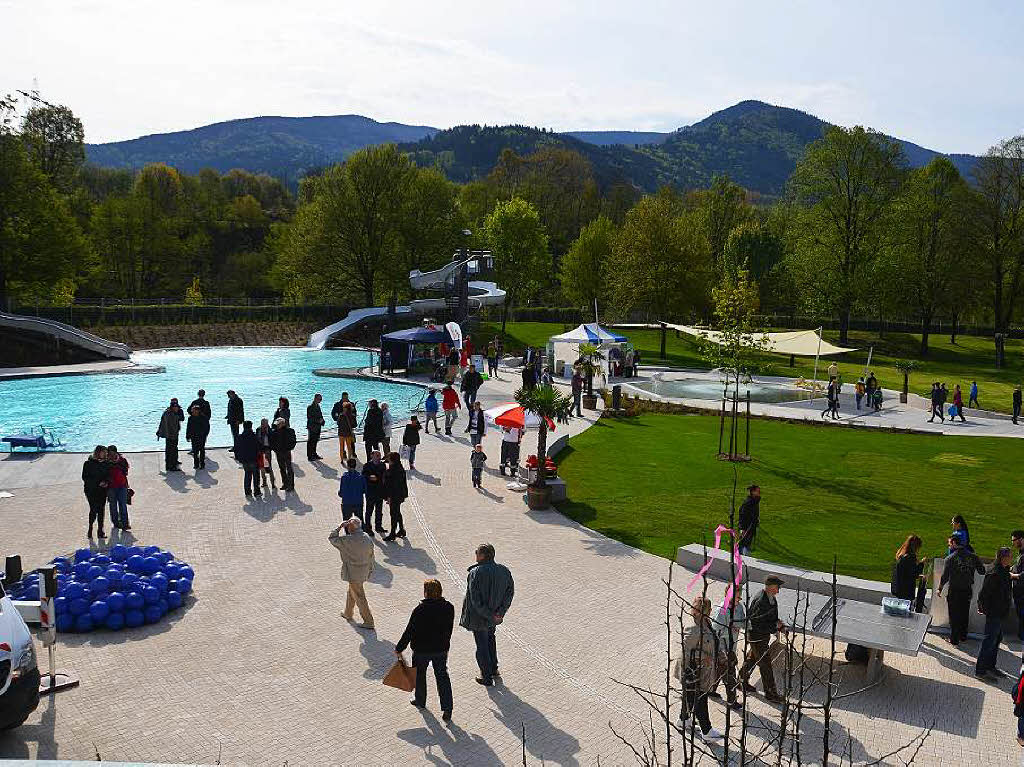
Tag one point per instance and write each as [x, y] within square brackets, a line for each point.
[403, 554]
[455, 744]
[543, 740]
[14, 744]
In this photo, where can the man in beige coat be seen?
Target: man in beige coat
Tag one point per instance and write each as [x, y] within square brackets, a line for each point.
[356, 551]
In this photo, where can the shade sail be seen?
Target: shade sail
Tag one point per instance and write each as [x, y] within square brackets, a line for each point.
[589, 333]
[801, 343]
[426, 334]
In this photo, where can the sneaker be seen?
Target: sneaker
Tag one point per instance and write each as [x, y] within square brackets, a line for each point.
[447, 716]
[712, 735]
[485, 682]
[417, 704]
[101, 534]
[400, 534]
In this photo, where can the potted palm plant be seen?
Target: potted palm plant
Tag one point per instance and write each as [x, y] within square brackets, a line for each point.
[549, 405]
[590, 358]
[906, 367]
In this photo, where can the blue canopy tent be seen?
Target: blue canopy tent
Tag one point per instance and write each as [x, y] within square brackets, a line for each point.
[397, 347]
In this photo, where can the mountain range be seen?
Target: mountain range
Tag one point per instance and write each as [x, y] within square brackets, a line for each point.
[756, 144]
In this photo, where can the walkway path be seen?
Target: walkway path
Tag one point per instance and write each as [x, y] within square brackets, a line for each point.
[262, 669]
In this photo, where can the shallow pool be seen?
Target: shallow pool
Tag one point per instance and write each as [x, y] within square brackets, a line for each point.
[702, 388]
[125, 408]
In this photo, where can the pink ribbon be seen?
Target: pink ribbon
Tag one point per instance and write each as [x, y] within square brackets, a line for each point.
[707, 565]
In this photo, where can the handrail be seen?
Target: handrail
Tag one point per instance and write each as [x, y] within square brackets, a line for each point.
[69, 333]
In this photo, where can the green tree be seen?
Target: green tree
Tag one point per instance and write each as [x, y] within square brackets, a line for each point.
[931, 229]
[431, 226]
[520, 246]
[722, 207]
[661, 261]
[738, 343]
[846, 181]
[56, 142]
[582, 268]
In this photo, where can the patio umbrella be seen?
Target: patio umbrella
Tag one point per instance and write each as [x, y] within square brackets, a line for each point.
[513, 415]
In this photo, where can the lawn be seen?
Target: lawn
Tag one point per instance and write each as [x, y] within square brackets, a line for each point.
[653, 481]
[970, 359]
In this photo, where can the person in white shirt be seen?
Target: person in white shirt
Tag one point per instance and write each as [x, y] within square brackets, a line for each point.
[510, 439]
[729, 640]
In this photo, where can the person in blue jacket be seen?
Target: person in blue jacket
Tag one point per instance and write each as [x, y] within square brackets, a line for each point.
[352, 492]
[431, 407]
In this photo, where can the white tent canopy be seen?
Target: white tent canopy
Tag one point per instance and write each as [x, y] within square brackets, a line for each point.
[801, 343]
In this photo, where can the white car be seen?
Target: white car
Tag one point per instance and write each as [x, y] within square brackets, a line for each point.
[19, 672]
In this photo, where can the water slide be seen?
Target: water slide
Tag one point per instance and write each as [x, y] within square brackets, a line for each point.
[67, 334]
[481, 293]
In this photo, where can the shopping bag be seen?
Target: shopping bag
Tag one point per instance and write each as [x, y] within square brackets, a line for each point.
[401, 676]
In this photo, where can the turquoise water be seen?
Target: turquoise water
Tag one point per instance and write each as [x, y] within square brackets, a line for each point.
[702, 388]
[124, 408]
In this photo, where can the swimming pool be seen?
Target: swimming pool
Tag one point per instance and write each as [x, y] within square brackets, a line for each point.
[125, 408]
[704, 388]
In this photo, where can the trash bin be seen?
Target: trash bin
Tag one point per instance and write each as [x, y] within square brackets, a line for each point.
[616, 397]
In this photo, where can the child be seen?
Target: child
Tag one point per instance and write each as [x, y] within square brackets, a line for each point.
[477, 459]
[431, 408]
[878, 399]
[411, 438]
[264, 461]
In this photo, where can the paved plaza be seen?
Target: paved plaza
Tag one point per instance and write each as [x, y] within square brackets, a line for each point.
[260, 667]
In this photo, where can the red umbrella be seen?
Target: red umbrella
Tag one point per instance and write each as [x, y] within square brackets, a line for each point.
[514, 416]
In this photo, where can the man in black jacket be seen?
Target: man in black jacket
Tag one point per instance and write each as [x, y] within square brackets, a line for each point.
[247, 450]
[1016, 402]
[994, 604]
[204, 410]
[373, 427]
[749, 518]
[958, 571]
[314, 422]
[235, 418]
[1017, 579]
[197, 429]
[762, 623]
[430, 633]
[471, 383]
[282, 442]
[374, 470]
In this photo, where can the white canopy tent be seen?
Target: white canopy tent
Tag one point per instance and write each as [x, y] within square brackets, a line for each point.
[564, 348]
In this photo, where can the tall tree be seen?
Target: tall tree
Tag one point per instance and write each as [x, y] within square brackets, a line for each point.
[431, 225]
[1000, 185]
[931, 231]
[723, 207]
[582, 269]
[519, 243]
[847, 180]
[56, 142]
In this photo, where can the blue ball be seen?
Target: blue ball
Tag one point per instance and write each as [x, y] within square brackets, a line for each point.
[151, 595]
[172, 571]
[82, 570]
[173, 600]
[153, 613]
[60, 605]
[65, 622]
[150, 565]
[150, 550]
[128, 580]
[74, 590]
[101, 559]
[119, 553]
[83, 623]
[187, 572]
[95, 571]
[135, 563]
[165, 557]
[184, 586]
[133, 600]
[160, 581]
[82, 555]
[63, 566]
[114, 621]
[116, 601]
[60, 561]
[78, 606]
[113, 579]
[99, 611]
[99, 585]
[164, 606]
[133, 618]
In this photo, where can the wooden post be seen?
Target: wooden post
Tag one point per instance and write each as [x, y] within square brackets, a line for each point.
[721, 425]
[748, 424]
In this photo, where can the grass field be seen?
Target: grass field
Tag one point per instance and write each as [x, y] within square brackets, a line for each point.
[654, 482]
[970, 359]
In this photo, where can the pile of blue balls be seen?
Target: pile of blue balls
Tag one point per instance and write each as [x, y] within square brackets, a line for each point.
[127, 587]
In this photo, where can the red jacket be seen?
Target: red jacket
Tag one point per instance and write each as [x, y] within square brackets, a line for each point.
[118, 474]
[450, 399]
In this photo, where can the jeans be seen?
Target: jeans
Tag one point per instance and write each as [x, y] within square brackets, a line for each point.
[234, 435]
[284, 463]
[171, 454]
[252, 478]
[696, 703]
[959, 604]
[397, 523]
[420, 660]
[374, 508]
[470, 398]
[509, 456]
[1020, 726]
[449, 419]
[349, 510]
[486, 654]
[118, 498]
[412, 455]
[492, 366]
[431, 419]
[477, 473]
[199, 453]
[973, 402]
[97, 500]
[1016, 412]
[312, 440]
[859, 397]
[476, 438]
[577, 396]
[989, 645]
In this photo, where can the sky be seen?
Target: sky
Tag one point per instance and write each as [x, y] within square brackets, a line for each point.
[945, 75]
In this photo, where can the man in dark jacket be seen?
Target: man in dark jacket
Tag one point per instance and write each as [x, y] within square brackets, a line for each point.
[235, 418]
[1017, 579]
[994, 604]
[247, 450]
[373, 427]
[577, 391]
[958, 571]
[1016, 402]
[282, 442]
[197, 429]
[489, 593]
[373, 471]
[749, 518]
[430, 634]
[169, 430]
[471, 383]
[762, 623]
[204, 410]
[314, 422]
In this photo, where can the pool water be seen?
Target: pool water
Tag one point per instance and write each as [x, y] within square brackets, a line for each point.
[125, 408]
[702, 388]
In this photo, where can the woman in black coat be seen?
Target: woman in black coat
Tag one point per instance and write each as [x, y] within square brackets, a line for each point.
[395, 492]
[373, 427]
[906, 570]
[95, 471]
[284, 411]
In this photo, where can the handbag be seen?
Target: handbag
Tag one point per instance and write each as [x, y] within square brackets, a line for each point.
[129, 495]
[401, 676]
[261, 460]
